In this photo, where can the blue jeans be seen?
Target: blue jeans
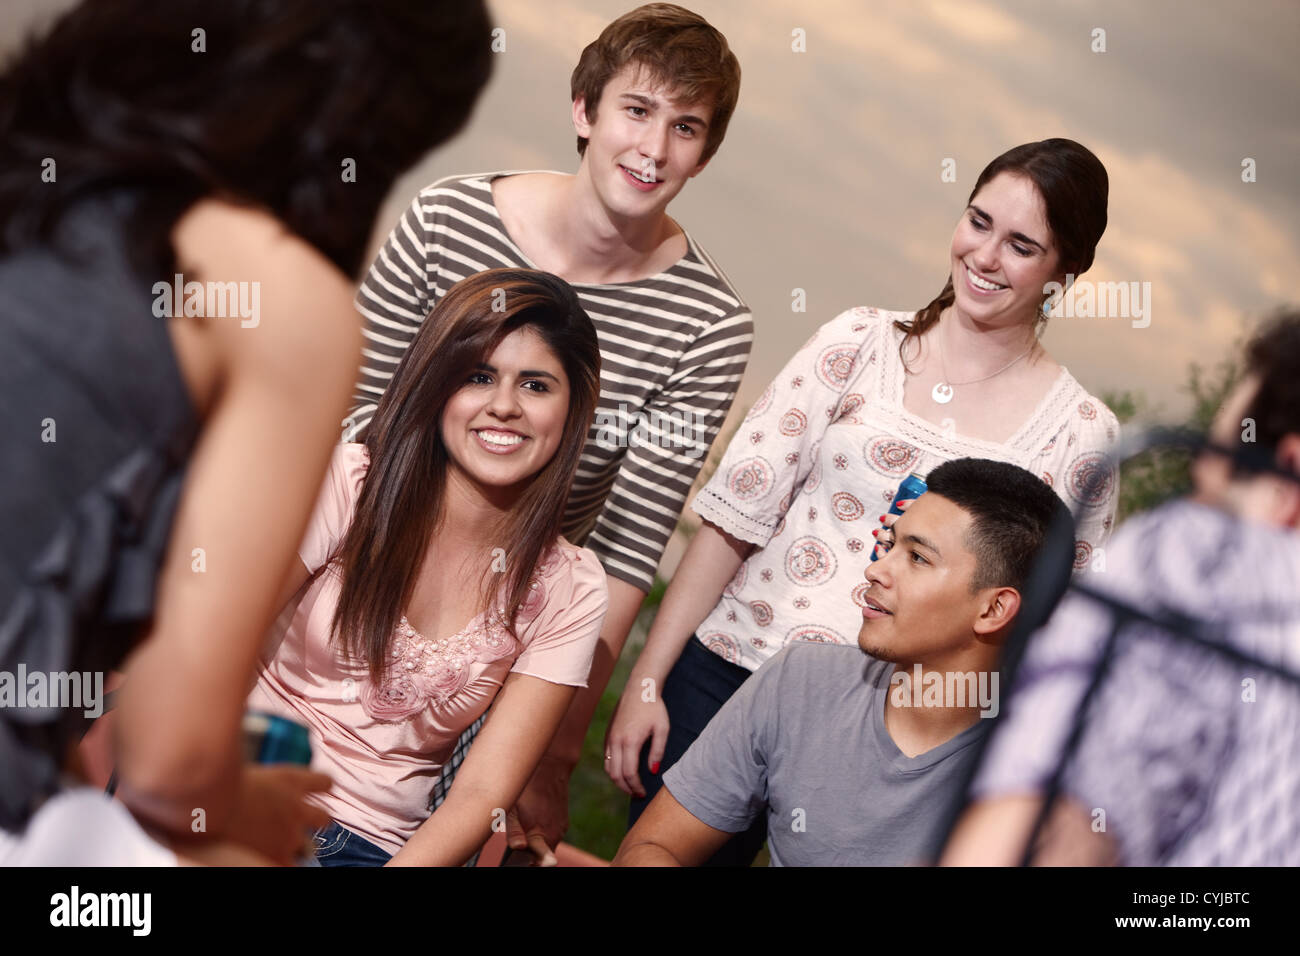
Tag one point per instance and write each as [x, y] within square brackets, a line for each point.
[338, 846]
[697, 687]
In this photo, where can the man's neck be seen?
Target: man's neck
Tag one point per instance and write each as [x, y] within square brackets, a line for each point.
[926, 706]
[584, 243]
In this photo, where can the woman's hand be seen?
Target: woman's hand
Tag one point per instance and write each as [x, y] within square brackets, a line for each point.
[271, 814]
[885, 537]
[635, 720]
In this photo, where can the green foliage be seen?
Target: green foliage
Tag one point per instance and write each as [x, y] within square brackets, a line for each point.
[597, 808]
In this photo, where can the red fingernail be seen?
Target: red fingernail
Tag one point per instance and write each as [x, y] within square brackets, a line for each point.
[882, 517]
[876, 532]
[654, 767]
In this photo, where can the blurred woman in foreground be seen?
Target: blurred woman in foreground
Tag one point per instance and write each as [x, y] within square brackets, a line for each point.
[186, 193]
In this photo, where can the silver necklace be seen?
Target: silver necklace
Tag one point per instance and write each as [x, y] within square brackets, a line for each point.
[943, 390]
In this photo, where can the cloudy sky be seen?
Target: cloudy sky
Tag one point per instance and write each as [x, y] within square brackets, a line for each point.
[829, 179]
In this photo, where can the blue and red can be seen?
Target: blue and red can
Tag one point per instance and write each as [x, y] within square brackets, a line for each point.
[913, 486]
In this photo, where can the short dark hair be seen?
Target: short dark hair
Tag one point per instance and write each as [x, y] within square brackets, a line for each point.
[1010, 509]
[1274, 355]
[675, 47]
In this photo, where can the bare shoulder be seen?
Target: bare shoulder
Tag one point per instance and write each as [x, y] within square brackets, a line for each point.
[226, 238]
[295, 309]
[525, 190]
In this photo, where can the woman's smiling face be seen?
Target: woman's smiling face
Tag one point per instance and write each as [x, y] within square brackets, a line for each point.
[505, 423]
[1003, 253]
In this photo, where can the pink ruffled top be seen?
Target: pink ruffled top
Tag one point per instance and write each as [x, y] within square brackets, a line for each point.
[384, 743]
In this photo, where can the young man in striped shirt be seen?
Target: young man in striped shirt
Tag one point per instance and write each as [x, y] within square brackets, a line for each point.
[652, 97]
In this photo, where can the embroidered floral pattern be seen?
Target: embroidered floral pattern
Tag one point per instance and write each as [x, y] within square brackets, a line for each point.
[1090, 479]
[1082, 554]
[809, 561]
[423, 672]
[724, 645]
[851, 403]
[751, 479]
[793, 423]
[815, 634]
[892, 457]
[847, 507]
[835, 365]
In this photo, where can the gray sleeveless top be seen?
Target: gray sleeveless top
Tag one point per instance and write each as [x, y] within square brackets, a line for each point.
[97, 427]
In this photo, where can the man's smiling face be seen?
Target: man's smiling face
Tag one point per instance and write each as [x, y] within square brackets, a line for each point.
[643, 144]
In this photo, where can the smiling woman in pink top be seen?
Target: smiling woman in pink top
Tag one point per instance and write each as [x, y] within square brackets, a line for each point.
[434, 580]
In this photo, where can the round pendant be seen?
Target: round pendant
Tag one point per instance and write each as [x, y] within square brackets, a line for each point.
[942, 393]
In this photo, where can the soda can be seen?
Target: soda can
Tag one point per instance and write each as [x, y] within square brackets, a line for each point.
[269, 738]
[913, 486]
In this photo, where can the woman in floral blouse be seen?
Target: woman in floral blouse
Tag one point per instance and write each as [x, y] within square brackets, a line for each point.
[434, 580]
[794, 510]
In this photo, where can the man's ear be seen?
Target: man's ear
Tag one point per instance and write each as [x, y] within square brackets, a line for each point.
[998, 609]
[581, 124]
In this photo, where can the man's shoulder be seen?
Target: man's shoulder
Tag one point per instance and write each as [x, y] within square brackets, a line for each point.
[701, 271]
[827, 667]
[479, 184]
[463, 184]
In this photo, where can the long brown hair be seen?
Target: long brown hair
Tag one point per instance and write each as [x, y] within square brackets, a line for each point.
[1074, 187]
[404, 490]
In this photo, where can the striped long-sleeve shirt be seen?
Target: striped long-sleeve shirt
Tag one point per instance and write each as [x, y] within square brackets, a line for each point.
[673, 351]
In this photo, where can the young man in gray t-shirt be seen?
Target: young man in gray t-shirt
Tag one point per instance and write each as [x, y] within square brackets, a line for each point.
[854, 756]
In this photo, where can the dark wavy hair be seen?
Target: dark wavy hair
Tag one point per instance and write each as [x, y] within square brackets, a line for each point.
[403, 493]
[283, 94]
[1074, 187]
[1273, 354]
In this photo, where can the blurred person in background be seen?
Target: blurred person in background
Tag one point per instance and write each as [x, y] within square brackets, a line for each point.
[1188, 757]
[186, 194]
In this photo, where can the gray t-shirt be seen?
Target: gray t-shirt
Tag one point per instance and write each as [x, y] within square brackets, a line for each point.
[805, 740]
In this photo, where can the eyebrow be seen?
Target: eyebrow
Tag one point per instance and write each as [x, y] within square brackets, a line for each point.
[1019, 236]
[923, 542]
[523, 373]
[649, 102]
